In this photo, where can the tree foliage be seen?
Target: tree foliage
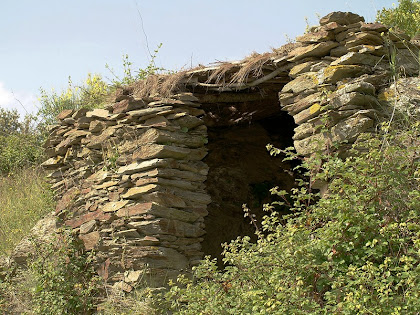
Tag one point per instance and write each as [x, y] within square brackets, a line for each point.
[405, 16]
[20, 141]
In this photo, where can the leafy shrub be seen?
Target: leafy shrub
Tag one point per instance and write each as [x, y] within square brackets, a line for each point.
[20, 142]
[405, 16]
[355, 251]
[65, 281]
[9, 121]
[19, 150]
[91, 94]
[58, 280]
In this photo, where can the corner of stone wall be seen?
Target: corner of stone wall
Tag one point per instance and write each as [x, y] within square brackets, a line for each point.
[130, 183]
[336, 75]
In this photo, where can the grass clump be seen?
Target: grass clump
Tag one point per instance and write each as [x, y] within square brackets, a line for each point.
[139, 301]
[24, 199]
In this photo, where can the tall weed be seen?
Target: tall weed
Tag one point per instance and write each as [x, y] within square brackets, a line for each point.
[24, 199]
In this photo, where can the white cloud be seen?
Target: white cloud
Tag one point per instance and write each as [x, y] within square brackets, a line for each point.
[6, 97]
[23, 101]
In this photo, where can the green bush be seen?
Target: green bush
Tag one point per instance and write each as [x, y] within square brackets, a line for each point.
[19, 150]
[20, 142]
[355, 251]
[9, 122]
[405, 16]
[59, 279]
[65, 281]
[91, 94]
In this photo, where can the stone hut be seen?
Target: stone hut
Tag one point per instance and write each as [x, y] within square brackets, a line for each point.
[156, 180]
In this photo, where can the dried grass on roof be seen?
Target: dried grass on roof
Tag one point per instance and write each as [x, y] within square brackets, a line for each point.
[218, 76]
[160, 84]
[223, 75]
[253, 65]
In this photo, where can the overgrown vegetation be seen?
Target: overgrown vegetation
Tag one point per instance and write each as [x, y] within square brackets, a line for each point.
[91, 94]
[20, 142]
[65, 281]
[355, 251]
[131, 75]
[24, 199]
[59, 280]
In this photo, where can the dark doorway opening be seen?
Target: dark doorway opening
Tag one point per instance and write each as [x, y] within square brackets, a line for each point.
[241, 171]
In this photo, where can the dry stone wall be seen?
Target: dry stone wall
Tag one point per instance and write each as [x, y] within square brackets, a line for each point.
[130, 178]
[130, 181]
[336, 75]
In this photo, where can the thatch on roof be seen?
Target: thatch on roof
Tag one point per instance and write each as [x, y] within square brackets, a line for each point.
[221, 76]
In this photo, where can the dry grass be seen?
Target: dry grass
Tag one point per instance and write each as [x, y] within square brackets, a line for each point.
[24, 199]
[138, 302]
[239, 72]
[253, 65]
[221, 74]
[160, 84]
[218, 76]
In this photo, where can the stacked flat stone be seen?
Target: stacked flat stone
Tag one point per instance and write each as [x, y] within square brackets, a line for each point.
[130, 178]
[130, 184]
[336, 74]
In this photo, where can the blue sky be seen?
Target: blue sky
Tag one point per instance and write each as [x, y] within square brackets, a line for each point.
[44, 42]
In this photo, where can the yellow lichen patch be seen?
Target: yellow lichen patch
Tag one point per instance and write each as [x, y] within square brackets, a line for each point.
[303, 82]
[314, 79]
[314, 108]
[337, 73]
[386, 95]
